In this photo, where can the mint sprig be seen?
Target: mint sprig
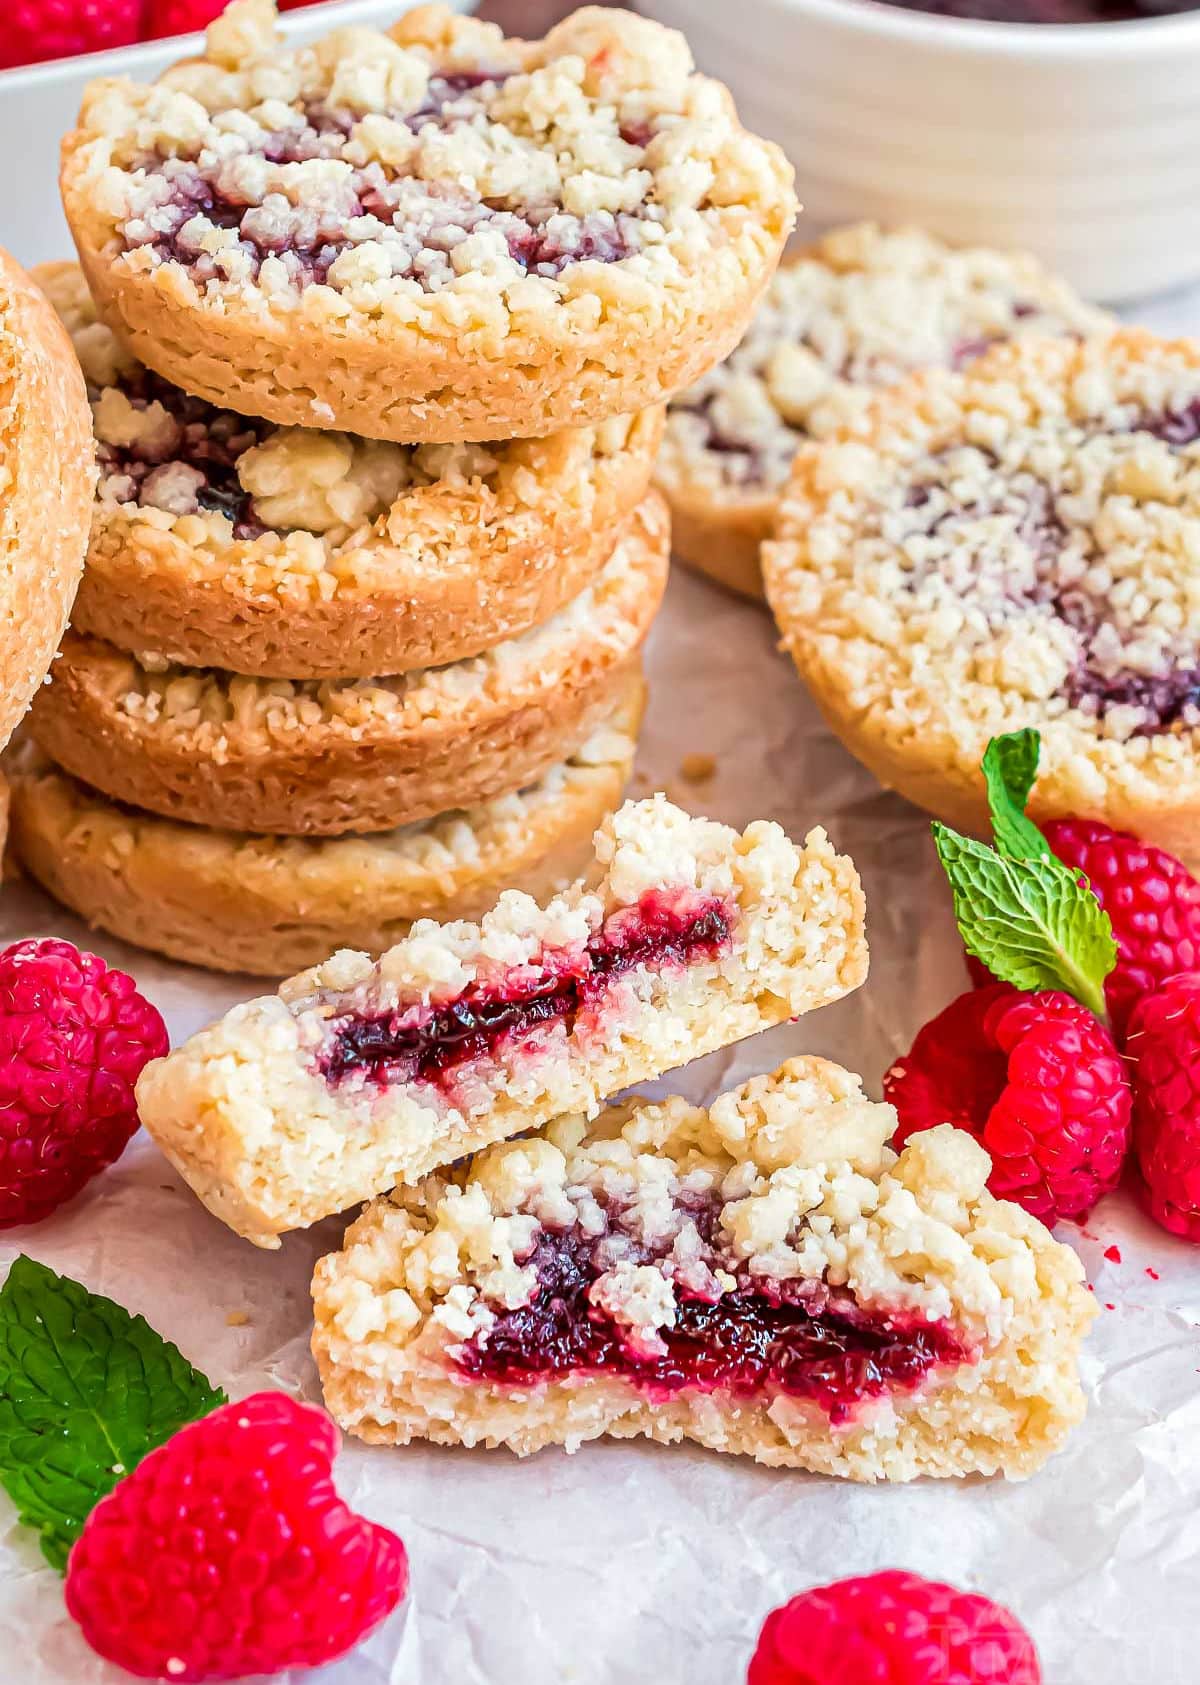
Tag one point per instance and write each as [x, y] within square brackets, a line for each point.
[86, 1390]
[1010, 769]
[1030, 917]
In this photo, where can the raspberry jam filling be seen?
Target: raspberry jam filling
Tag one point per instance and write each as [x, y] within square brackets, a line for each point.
[809, 1342]
[663, 931]
[218, 218]
[190, 464]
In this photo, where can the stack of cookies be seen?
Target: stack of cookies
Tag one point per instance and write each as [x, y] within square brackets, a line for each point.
[377, 335]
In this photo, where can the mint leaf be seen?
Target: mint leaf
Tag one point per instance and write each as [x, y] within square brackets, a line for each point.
[1010, 766]
[1030, 921]
[85, 1391]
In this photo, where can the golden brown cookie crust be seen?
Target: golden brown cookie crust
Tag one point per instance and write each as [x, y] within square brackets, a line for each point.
[1048, 473]
[47, 477]
[857, 310]
[319, 759]
[493, 350]
[273, 905]
[397, 557]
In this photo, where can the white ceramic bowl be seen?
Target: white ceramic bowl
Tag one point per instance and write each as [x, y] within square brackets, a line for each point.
[1080, 142]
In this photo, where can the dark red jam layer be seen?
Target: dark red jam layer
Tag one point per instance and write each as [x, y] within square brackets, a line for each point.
[816, 1344]
[205, 440]
[431, 217]
[1049, 11]
[664, 931]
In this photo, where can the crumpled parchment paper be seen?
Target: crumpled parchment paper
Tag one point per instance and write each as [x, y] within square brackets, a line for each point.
[636, 1563]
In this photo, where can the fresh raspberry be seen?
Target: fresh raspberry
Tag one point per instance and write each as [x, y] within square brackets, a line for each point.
[1035, 1078]
[1152, 902]
[1163, 1050]
[74, 1037]
[179, 17]
[50, 29]
[228, 1552]
[893, 1629]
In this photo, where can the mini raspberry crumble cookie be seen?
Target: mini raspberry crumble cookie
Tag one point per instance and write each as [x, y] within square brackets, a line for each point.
[1012, 546]
[685, 937]
[431, 234]
[763, 1277]
[271, 905]
[288, 553]
[46, 481]
[859, 310]
[318, 757]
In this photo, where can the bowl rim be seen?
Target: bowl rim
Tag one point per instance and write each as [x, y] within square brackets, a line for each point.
[1053, 42]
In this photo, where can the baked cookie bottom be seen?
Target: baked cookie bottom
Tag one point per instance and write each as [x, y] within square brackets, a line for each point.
[763, 1277]
[507, 238]
[271, 905]
[722, 543]
[684, 936]
[315, 758]
[288, 553]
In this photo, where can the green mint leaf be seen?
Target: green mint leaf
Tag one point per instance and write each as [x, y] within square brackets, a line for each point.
[1031, 921]
[85, 1391]
[1009, 768]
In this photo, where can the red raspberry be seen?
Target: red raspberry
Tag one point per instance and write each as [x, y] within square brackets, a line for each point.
[228, 1552]
[74, 1037]
[179, 17]
[50, 29]
[1152, 901]
[1163, 1050]
[1035, 1078]
[893, 1629]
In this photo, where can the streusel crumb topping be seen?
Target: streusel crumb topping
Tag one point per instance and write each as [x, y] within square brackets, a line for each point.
[1014, 542]
[857, 311]
[379, 169]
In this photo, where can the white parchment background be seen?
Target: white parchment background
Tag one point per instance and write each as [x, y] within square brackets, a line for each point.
[633, 1563]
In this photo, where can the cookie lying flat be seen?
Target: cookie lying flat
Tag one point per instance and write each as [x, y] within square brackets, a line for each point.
[320, 758]
[1012, 546]
[858, 310]
[271, 905]
[283, 552]
[764, 1277]
[357, 1075]
[47, 476]
[431, 234]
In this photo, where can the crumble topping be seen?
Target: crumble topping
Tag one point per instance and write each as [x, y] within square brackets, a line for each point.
[858, 311]
[1020, 535]
[440, 158]
[786, 1183]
